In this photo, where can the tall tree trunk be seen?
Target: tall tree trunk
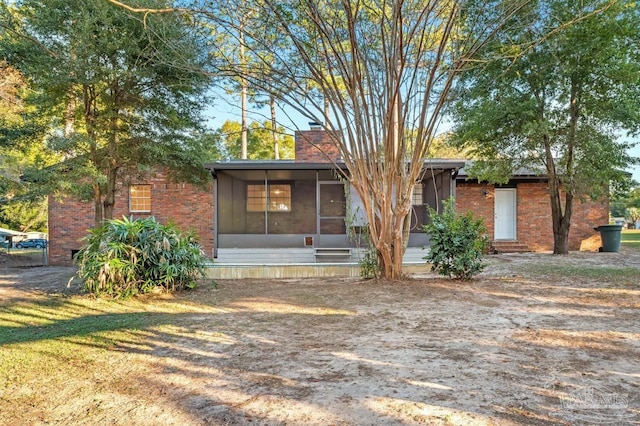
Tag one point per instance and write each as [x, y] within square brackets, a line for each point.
[274, 133]
[393, 255]
[326, 113]
[89, 114]
[561, 240]
[559, 218]
[560, 214]
[97, 204]
[110, 193]
[245, 126]
[562, 185]
[112, 168]
[243, 93]
[388, 228]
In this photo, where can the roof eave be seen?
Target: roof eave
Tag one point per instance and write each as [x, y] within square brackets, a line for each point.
[293, 165]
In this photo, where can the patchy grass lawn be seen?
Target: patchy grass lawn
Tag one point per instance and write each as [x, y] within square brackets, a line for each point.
[630, 239]
[537, 339]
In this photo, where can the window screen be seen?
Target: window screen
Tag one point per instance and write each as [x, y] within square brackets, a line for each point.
[417, 196]
[279, 197]
[256, 199]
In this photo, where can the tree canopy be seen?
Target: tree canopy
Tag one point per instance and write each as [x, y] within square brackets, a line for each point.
[622, 201]
[22, 205]
[119, 93]
[556, 99]
[260, 145]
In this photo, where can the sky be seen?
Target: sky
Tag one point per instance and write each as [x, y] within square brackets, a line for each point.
[225, 108]
[635, 152]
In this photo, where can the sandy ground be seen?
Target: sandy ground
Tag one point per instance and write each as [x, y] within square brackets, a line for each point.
[519, 345]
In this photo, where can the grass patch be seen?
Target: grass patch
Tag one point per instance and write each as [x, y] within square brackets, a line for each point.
[23, 257]
[630, 238]
[86, 320]
[33, 323]
[603, 274]
[27, 253]
[46, 341]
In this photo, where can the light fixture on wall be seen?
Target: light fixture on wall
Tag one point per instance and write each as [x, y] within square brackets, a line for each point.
[485, 192]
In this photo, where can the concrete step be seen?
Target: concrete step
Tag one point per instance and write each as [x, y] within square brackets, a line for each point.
[500, 246]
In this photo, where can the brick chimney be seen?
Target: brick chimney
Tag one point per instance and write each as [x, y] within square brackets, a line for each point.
[316, 146]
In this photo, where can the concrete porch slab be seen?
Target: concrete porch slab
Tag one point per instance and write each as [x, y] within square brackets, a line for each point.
[229, 271]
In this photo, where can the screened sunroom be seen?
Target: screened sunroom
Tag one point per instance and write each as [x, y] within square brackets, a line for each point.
[287, 211]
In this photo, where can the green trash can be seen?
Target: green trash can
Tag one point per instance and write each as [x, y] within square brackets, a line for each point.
[610, 235]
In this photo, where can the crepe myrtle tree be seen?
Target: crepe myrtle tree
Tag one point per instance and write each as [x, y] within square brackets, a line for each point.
[384, 70]
[377, 72]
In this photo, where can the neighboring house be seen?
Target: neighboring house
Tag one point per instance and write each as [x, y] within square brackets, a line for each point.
[8, 237]
[299, 211]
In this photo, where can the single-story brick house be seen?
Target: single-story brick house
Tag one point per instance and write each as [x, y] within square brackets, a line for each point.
[298, 211]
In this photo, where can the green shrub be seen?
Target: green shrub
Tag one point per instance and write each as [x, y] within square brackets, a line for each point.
[124, 257]
[457, 242]
[370, 264]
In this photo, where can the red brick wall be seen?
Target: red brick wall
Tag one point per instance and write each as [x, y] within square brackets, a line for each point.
[471, 197]
[585, 217]
[316, 146]
[69, 221]
[534, 226]
[185, 205]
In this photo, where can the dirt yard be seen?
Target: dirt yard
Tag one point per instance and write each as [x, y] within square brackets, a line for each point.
[529, 342]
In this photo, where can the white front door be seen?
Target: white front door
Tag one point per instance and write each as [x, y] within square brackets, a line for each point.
[505, 214]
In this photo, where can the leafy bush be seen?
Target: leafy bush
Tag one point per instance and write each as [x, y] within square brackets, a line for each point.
[124, 257]
[457, 242]
[370, 264]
